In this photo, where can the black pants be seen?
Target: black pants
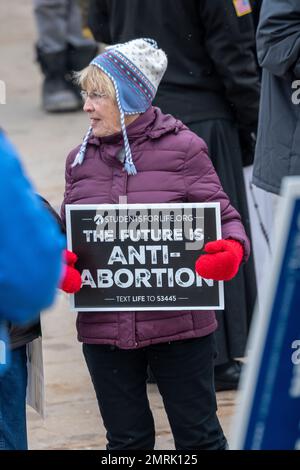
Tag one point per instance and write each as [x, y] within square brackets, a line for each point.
[184, 375]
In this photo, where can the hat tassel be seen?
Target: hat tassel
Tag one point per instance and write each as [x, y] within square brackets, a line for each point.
[130, 168]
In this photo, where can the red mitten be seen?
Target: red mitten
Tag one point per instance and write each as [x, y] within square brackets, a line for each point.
[69, 257]
[222, 261]
[71, 281]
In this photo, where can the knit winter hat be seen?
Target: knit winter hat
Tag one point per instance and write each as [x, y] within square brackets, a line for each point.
[136, 69]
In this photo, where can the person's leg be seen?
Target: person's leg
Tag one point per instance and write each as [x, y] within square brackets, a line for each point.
[80, 49]
[13, 432]
[74, 26]
[52, 54]
[119, 378]
[184, 372]
[52, 23]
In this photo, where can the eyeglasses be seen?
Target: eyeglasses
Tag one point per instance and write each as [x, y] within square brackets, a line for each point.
[94, 96]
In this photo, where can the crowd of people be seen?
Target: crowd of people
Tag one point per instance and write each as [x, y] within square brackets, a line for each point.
[188, 121]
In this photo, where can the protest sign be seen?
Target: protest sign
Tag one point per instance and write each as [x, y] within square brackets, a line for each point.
[142, 257]
[268, 417]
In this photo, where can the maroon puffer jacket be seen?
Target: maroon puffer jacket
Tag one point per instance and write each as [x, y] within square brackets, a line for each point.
[173, 166]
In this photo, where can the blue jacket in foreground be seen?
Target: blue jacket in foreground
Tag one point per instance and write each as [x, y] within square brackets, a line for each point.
[30, 244]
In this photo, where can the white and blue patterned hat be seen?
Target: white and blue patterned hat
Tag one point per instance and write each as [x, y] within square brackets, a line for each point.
[136, 69]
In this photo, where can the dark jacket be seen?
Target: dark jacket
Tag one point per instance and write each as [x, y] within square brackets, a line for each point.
[212, 72]
[21, 335]
[278, 141]
[173, 166]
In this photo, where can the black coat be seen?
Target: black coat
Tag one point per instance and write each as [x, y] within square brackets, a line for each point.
[211, 72]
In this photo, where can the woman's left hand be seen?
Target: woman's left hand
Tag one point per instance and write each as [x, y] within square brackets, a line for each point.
[71, 281]
[221, 261]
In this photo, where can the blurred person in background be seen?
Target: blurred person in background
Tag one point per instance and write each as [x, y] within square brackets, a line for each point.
[13, 384]
[61, 49]
[30, 244]
[31, 268]
[212, 85]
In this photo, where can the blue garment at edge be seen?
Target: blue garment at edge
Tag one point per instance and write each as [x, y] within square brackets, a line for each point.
[30, 244]
[13, 434]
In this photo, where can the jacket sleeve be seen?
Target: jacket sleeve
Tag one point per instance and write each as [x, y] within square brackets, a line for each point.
[203, 185]
[230, 42]
[30, 241]
[98, 21]
[278, 37]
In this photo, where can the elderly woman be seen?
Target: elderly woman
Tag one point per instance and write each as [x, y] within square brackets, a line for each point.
[133, 150]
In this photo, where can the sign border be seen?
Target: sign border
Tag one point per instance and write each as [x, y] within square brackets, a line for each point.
[216, 205]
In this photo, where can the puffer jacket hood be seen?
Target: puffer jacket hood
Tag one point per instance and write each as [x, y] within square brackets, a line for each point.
[153, 124]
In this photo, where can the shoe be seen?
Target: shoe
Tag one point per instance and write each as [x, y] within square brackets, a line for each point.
[227, 375]
[57, 94]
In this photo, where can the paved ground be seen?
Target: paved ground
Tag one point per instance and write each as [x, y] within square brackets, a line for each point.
[72, 420]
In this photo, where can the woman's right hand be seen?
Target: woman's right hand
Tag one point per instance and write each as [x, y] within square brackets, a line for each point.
[71, 280]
